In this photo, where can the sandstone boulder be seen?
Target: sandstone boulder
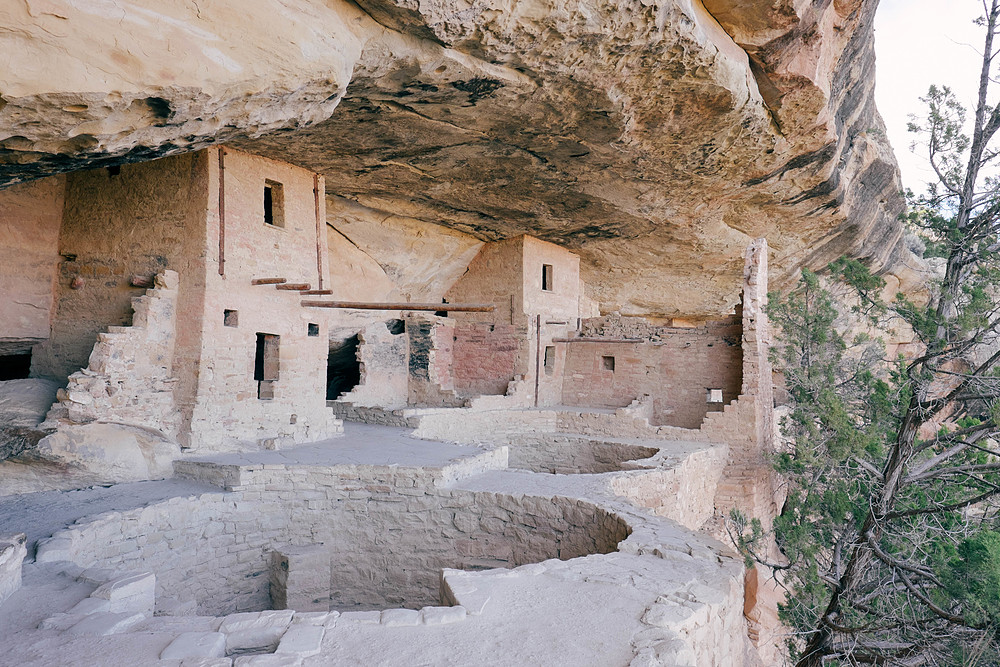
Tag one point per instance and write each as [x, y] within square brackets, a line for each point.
[115, 452]
[23, 404]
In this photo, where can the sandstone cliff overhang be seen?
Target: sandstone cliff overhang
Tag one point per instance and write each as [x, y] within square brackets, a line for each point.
[654, 139]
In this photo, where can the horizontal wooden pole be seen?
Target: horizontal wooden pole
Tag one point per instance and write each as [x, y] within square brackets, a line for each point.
[317, 292]
[449, 307]
[293, 287]
[267, 281]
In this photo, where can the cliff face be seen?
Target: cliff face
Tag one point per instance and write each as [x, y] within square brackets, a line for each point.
[655, 139]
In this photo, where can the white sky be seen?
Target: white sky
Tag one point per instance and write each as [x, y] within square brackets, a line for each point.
[919, 43]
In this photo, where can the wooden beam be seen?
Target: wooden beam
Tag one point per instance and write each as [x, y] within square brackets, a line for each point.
[267, 281]
[449, 307]
[294, 287]
[317, 292]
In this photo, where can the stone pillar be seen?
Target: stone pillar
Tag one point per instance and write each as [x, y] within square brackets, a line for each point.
[757, 384]
[300, 578]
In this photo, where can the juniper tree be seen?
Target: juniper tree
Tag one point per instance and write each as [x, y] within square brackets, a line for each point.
[888, 532]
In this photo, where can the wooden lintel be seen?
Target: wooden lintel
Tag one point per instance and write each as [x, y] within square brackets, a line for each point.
[317, 292]
[294, 287]
[267, 281]
[448, 307]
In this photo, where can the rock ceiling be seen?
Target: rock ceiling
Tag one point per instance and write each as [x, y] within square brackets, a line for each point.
[655, 139]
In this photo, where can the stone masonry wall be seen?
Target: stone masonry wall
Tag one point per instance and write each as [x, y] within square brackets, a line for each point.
[129, 377]
[484, 358]
[383, 358]
[30, 215]
[675, 371]
[146, 218]
[228, 408]
[389, 533]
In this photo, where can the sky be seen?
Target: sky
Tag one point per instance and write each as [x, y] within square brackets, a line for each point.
[919, 43]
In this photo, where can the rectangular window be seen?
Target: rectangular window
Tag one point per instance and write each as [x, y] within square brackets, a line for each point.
[550, 359]
[713, 395]
[547, 277]
[609, 363]
[274, 203]
[265, 365]
[313, 329]
[231, 318]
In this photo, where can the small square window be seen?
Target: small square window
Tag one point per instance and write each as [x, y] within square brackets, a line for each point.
[547, 277]
[274, 203]
[231, 318]
[713, 395]
[609, 363]
[550, 359]
[313, 329]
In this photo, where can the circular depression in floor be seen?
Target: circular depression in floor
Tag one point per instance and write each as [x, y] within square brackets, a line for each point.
[359, 545]
[573, 455]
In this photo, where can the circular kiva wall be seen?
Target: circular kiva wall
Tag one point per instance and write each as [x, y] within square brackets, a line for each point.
[386, 544]
[570, 454]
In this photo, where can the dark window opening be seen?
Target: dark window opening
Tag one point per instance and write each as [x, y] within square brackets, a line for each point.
[231, 318]
[274, 203]
[114, 170]
[15, 366]
[550, 359]
[547, 277]
[312, 329]
[396, 327]
[265, 365]
[609, 363]
[343, 370]
[441, 313]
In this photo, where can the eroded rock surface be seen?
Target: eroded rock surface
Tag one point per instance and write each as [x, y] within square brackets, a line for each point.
[653, 139]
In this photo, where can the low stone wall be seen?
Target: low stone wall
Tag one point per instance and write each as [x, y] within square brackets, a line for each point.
[684, 491]
[388, 534]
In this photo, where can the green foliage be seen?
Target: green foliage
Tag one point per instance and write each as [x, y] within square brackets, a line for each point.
[972, 576]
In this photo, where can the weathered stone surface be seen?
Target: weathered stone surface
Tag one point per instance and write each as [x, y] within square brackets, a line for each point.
[654, 139]
[196, 645]
[132, 593]
[115, 452]
[12, 553]
[23, 404]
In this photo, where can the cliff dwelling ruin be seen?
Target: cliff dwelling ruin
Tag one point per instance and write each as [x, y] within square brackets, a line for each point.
[462, 363]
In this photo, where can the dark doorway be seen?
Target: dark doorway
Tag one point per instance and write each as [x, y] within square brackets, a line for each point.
[266, 365]
[15, 366]
[343, 370]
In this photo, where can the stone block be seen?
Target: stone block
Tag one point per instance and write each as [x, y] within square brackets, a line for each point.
[53, 549]
[12, 552]
[442, 615]
[363, 617]
[90, 605]
[134, 593]
[253, 630]
[300, 578]
[106, 623]
[302, 640]
[400, 617]
[267, 661]
[196, 645]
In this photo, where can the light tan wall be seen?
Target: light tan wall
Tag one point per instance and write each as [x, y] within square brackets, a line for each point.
[30, 215]
[227, 409]
[493, 276]
[552, 314]
[140, 221]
